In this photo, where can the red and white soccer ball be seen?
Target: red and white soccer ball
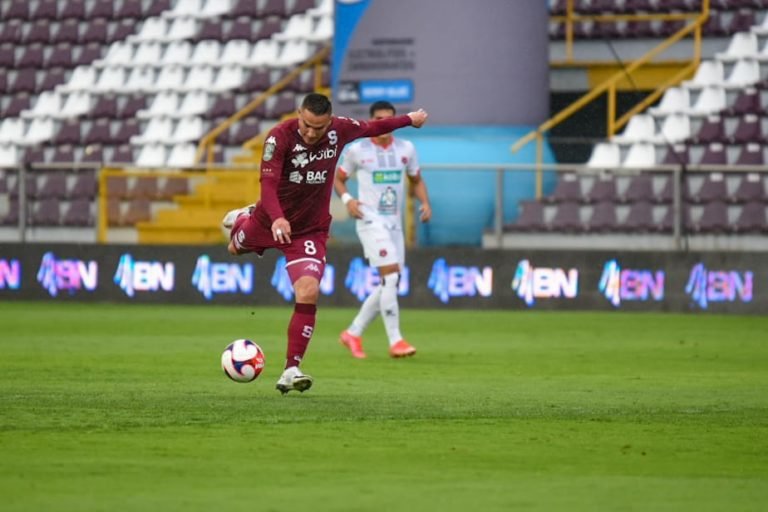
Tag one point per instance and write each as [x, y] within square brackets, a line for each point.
[242, 360]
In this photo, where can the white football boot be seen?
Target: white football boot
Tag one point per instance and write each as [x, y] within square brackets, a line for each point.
[293, 380]
[229, 219]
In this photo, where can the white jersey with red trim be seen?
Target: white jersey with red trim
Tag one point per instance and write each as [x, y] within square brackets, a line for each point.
[381, 177]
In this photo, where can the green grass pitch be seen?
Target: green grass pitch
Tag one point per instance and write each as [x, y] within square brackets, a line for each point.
[125, 408]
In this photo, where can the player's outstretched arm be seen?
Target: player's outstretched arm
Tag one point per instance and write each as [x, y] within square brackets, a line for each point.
[418, 118]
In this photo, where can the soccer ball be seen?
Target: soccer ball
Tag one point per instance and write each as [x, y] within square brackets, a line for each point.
[242, 360]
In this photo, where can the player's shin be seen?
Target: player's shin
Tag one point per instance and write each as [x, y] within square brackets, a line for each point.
[367, 313]
[390, 309]
[300, 330]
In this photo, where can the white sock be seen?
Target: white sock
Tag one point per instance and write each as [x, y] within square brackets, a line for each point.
[390, 310]
[367, 313]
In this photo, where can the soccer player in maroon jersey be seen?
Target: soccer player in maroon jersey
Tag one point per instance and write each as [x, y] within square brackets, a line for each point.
[293, 215]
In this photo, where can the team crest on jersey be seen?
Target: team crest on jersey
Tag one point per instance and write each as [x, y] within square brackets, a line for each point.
[300, 160]
[269, 148]
[299, 147]
[295, 177]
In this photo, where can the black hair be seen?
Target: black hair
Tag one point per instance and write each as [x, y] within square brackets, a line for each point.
[316, 103]
[382, 105]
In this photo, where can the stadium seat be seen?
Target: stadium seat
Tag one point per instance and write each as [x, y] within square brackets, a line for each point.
[140, 80]
[47, 104]
[714, 218]
[139, 210]
[182, 28]
[193, 103]
[714, 154]
[11, 32]
[131, 106]
[751, 219]
[298, 27]
[158, 129]
[188, 129]
[210, 30]
[604, 218]
[567, 218]
[749, 101]
[199, 78]
[257, 80]
[26, 81]
[17, 104]
[73, 9]
[749, 129]
[206, 53]
[76, 104]
[103, 9]
[711, 99]
[244, 8]
[709, 73]
[745, 72]
[99, 132]
[84, 186]
[125, 130]
[68, 32]
[567, 189]
[640, 155]
[170, 78]
[68, 133]
[750, 188]
[54, 186]
[244, 130]
[712, 129]
[157, 7]
[224, 106]
[531, 217]
[78, 213]
[151, 155]
[97, 31]
[83, 78]
[712, 188]
[40, 129]
[751, 154]
[265, 53]
[163, 104]
[742, 45]
[9, 155]
[185, 9]
[267, 29]
[177, 52]
[603, 189]
[60, 56]
[228, 78]
[235, 52]
[144, 187]
[674, 100]
[181, 155]
[147, 53]
[640, 128]
[123, 153]
[46, 212]
[87, 55]
[675, 128]
[31, 56]
[177, 186]
[605, 155]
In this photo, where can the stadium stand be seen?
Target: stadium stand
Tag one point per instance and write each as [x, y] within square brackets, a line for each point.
[140, 83]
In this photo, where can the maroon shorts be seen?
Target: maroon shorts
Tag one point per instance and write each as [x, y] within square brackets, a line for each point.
[304, 256]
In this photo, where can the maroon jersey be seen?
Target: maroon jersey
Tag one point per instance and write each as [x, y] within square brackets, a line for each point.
[297, 178]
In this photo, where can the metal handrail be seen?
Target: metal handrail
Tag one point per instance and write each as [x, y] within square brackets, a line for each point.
[207, 142]
[609, 86]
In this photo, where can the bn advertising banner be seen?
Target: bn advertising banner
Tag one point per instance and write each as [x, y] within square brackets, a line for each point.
[433, 278]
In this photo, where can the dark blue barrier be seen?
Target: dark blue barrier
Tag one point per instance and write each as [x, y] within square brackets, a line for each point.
[434, 278]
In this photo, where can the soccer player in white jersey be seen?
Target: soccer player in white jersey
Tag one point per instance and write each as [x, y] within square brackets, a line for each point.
[381, 164]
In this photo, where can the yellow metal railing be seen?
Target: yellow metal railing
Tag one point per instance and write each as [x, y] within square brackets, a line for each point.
[205, 177]
[610, 85]
[570, 18]
[205, 147]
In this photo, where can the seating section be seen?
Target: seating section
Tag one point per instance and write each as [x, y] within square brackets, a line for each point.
[92, 81]
[717, 120]
[727, 17]
[714, 203]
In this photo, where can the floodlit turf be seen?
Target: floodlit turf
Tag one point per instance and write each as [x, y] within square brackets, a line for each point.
[123, 408]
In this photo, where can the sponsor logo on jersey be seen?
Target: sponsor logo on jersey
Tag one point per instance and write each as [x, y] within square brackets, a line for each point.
[300, 160]
[299, 147]
[316, 177]
[324, 154]
[295, 177]
[387, 176]
[269, 148]
[313, 267]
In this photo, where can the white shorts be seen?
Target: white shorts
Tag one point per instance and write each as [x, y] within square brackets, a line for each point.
[382, 244]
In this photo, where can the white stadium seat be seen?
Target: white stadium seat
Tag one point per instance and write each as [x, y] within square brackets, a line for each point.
[742, 45]
[641, 127]
[47, 104]
[165, 104]
[159, 129]
[182, 155]
[151, 155]
[605, 155]
[188, 129]
[709, 72]
[206, 52]
[675, 100]
[640, 155]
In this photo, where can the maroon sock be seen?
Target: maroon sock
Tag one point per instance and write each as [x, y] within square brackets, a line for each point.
[300, 332]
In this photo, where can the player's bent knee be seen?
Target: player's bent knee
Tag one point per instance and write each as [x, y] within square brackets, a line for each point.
[307, 290]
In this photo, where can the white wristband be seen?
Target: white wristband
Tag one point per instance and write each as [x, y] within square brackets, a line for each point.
[346, 197]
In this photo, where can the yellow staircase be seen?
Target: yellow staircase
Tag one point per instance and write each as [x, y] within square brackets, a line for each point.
[196, 218]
